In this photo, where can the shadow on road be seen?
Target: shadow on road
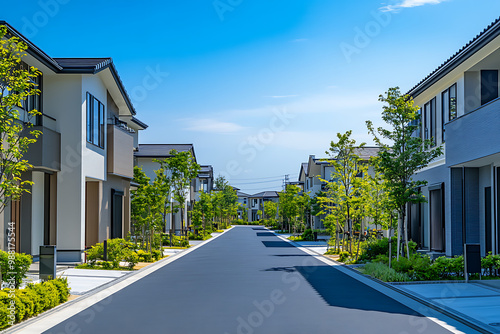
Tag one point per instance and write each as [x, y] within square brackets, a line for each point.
[340, 290]
[283, 244]
[265, 234]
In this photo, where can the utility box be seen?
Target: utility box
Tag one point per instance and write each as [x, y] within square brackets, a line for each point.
[48, 261]
[472, 259]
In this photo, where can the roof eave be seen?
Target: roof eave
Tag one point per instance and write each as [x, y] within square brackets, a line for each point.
[490, 33]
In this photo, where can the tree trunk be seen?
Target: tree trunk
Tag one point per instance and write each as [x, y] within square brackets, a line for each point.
[390, 246]
[399, 236]
[405, 224]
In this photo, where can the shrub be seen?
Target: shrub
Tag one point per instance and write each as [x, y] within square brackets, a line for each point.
[384, 273]
[490, 263]
[176, 241]
[118, 250]
[144, 256]
[61, 284]
[35, 299]
[157, 254]
[343, 256]
[308, 235]
[19, 267]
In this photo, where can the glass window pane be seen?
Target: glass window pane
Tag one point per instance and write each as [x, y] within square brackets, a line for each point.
[95, 122]
[453, 102]
[89, 117]
[102, 115]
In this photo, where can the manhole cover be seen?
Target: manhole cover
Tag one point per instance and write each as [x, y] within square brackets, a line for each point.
[496, 324]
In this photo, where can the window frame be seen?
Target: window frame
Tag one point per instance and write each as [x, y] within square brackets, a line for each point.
[95, 129]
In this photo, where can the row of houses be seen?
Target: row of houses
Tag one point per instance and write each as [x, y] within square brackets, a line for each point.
[83, 162]
[460, 112]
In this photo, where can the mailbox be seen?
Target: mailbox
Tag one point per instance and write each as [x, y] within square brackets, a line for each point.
[48, 261]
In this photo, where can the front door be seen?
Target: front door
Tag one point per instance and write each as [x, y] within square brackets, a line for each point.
[487, 220]
[116, 214]
[436, 220]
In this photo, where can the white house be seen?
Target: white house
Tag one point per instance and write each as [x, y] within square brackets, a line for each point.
[83, 162]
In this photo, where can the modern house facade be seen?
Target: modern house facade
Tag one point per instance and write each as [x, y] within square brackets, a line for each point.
[256, 203]
[83, 162]
[461, 113]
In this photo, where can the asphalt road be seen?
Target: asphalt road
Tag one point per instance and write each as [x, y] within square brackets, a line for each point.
[248, 281]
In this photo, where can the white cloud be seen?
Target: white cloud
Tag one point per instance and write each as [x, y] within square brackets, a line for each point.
[410, 4]
[212, 126]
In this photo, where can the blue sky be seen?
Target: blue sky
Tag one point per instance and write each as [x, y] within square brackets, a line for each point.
[256, 85]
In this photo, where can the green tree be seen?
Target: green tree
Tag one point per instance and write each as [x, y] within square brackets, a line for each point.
[346, 192]
[270, 211]
[146, 209]
[289, 210]
[403, 155]
[16, 85]
[182, 169]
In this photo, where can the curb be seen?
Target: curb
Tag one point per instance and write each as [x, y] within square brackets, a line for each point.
[453, 314]
[17, 328]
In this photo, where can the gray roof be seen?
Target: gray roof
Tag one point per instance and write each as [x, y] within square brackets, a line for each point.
[242, 194]
[468, 50]
[367, 152]
[265, 194]
[140, 123]
[82, 64]
[161, 150]
[304, 166]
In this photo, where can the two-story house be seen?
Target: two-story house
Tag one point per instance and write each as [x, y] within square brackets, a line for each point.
[256, 203]
[460, 111]
[144, 158]
[315, 170]
[83, 162]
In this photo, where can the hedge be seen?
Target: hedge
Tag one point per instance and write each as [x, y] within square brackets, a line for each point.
[32, 300]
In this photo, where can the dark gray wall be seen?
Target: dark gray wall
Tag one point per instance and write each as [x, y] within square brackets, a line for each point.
[474, 135]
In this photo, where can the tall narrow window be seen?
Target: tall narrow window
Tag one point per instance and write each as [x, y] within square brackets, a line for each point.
[489, 85]
[433, 121]
[453, 102]
[445, 110]
[95, 121]
[427, 108]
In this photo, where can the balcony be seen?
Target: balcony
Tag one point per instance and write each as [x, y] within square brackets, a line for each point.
[474, 135]
[120, 151]
[45, 153]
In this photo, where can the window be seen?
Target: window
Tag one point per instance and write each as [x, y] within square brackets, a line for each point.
[417, 123]
[448, 107]
[430, 121]
[95, 121]
[489, 85]
[33, 102]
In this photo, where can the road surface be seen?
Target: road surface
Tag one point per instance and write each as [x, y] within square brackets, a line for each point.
[248, 281]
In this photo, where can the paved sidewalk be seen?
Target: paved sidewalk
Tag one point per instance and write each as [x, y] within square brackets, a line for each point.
[477, 301]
